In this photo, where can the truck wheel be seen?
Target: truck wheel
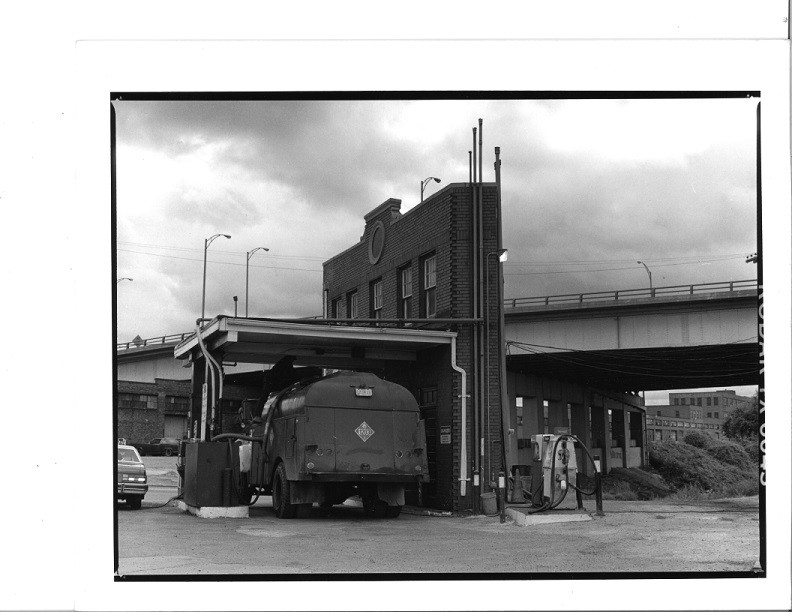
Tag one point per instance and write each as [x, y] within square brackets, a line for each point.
[168, 452]
[135, 502]
[375, 508]
[281, 495]
[393, 511]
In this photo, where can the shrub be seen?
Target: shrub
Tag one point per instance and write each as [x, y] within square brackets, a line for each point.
[686, 466]
[699, 440]
[751, 446]
[733, 454]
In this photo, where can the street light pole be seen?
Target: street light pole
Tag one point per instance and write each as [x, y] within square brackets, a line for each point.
[425, 182]
[503, 255]
[247, 274]
[207, 242]
[649, 272]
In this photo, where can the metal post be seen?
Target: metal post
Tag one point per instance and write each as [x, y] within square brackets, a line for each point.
[598, 492]
[203, 288]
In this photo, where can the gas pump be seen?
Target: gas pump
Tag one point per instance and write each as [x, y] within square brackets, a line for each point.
[556, 470]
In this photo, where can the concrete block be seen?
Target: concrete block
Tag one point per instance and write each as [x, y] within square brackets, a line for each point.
[211, 512]
[551, 516]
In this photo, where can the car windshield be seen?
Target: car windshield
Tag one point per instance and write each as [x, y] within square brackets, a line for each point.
[128, 454]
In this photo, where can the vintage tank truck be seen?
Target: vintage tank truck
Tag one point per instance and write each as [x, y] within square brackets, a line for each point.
[326, 439]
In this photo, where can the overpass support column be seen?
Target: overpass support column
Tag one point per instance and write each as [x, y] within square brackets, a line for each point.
[606, 427]
[626, 423]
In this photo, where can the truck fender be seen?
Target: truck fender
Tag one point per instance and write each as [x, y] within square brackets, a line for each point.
[391, 493]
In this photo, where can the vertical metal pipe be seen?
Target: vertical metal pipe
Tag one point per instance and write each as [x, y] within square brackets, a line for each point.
[481, 153]
[504, 391]
[475, 332]
[483, 391]
[470, 166]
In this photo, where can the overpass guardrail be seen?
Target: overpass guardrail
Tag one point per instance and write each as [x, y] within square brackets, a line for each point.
[140, 342]
[648, 292]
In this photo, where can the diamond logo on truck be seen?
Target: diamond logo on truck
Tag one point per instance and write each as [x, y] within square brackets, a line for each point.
[363, 431]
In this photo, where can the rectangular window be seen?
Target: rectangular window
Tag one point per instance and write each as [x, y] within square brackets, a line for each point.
[692, 401]
[376, 299]
[659, 413]
[676, 401]
[709, 401]
[677, 413]
[352, 305]
[430, 286]
[716, 415]
[698, 402]
[709, 415]
[715, 401]
[136, 401]
[178, 403]
[335, 308]
[405, 292]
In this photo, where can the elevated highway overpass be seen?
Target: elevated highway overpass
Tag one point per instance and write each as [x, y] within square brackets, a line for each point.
[675, 337]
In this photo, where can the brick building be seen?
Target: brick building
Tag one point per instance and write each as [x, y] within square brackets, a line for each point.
[703, 411]
[153, 391]
[420, 266]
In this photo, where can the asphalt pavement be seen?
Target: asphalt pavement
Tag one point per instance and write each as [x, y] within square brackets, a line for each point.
[655, 537]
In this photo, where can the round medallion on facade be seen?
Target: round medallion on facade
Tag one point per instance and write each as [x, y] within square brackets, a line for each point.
[376, 242]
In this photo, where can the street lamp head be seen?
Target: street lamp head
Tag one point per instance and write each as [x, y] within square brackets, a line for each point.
[436, 180]
[503, 255]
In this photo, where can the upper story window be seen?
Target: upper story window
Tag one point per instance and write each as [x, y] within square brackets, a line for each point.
[715, 401]
[134, 400]
[376, 299]
[676, 401]
[709, 401]
[430, 286]
[352, 311]
[698, 401]
[405, 292]
[659, 413]
[677, 413]
[335, 308]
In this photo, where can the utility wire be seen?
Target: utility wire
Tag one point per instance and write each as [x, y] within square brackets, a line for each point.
[227, 263]
[667, 265]
[713, 257]
[237, 253]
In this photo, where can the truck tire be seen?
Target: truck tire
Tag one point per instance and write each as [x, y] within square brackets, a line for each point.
[393, 511]
[168, 452]
[375, 508]
[281, 495]
[135, 502]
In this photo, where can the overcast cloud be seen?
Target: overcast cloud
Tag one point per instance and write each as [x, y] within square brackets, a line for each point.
[589, 188]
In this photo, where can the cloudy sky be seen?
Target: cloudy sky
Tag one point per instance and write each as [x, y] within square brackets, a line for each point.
[589, 188]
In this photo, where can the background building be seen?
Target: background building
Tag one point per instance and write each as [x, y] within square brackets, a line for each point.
[703, 411]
